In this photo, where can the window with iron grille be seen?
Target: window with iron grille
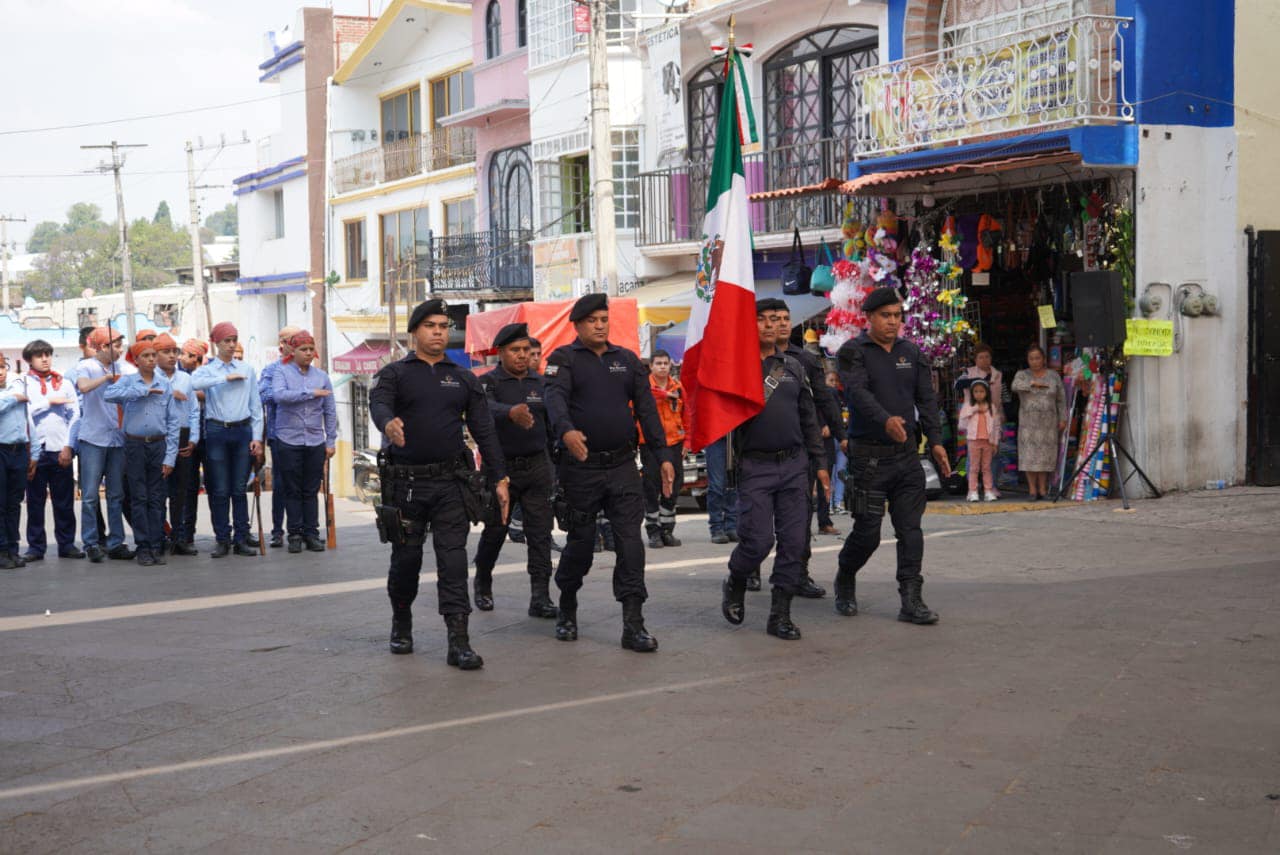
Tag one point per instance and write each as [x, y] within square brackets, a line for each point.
[359, 412]
[522, 24]
[166, 316]
[492, 30]
[626, 178]
[565, 190]
[86, 317]
[551, 33]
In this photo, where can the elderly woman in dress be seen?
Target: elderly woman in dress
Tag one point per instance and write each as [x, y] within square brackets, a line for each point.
[1042, 417]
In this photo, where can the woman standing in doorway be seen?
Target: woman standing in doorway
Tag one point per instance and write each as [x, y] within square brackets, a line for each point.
[1042, 416]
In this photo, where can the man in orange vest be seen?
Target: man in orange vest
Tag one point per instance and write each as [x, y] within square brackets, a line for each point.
[659, 510]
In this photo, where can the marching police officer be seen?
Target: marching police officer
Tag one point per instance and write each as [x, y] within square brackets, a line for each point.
[831, 419]
[515, 393]
[887, 382]
[596, 391]
[421, 403]
[775, 448]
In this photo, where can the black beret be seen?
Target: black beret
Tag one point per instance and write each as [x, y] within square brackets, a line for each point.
[510, 333]
[879, 298]
[770, 304]
[426, 309]
[586, 305]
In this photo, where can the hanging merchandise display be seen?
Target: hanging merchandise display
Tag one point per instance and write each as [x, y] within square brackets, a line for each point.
[933, 312]
[869, 261]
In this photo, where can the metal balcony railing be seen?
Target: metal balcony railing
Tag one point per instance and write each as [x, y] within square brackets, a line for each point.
[673, 202]
[403, 158]
[1067, 72]
[495, 260]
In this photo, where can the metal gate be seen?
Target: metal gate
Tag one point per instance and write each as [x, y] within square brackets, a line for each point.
[1264, 357]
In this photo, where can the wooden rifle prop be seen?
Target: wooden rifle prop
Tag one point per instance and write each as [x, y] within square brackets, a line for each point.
[259, 464]
[330, 521]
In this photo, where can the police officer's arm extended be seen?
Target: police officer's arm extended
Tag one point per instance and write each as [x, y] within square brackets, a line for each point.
[927, 409]
[480, 426]
[559, 390]
[646, 410]
[382, 406]
[811, 427]
[857, 387]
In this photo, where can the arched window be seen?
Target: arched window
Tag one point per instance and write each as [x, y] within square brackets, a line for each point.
[492, 30]
[522, 23]
[704, 91]
[511, 189]
[809, 87]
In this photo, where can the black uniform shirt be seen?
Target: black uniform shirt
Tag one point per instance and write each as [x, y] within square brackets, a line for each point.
[879, 384]
[434, 401]
[789, 419]
[597, 394]
[824, 398]
[504, 392]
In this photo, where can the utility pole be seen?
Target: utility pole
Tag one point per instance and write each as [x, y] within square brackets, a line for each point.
[126, 266]
[602, 149]
[193, 226]
[4, 254]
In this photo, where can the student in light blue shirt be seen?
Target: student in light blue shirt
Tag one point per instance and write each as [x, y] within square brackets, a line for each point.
[184, 471]
[306, 436]
[232, 437]
[101, 447]
[15, 461]
[151, 447]
[54, 408]
[265, 387]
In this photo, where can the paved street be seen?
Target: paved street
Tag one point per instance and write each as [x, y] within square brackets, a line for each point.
[1100, 682]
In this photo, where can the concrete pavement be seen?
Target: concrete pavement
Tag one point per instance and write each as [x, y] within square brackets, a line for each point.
[1100, 682]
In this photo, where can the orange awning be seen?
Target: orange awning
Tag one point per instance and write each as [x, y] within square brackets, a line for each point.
[826, 185]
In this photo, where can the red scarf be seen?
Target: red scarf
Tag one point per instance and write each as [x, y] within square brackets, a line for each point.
[57, 381]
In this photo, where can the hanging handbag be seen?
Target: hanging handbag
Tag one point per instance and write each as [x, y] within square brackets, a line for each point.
[795, 273]
[822, 280]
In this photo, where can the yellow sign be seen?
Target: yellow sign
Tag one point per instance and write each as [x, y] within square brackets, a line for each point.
[1047, 320]
[1148, 338]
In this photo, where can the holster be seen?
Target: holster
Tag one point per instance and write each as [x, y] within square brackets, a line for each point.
[477, 498]
[390, 524]
[393, 528]
[566, 515]
[869, 502]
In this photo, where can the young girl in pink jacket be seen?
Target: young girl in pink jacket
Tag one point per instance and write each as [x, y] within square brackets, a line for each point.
[982, 430]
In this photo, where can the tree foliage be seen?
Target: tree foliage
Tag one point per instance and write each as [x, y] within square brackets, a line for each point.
[162, 215]
[84, 252]
[42, 236]
[224, 222]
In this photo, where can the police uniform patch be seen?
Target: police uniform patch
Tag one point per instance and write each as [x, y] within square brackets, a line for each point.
[552, 370]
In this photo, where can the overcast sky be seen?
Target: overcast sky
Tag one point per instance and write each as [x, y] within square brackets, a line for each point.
[89, 62]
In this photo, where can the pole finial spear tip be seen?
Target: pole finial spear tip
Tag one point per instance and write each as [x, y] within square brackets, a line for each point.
[732, 19]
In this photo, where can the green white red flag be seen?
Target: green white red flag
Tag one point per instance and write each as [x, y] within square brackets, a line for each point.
[721, 370]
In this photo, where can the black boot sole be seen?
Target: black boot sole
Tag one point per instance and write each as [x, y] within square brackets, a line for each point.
[629, 642]
[848, 608]
[566, 633]
[792, 634]
[469, 663]
[545, 612]
[402, 650]
[483, 603]
[909, 618]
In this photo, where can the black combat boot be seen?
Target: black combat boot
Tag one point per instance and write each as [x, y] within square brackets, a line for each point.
[483, 586]
[567, 617]
[733, 599]
[401, 629]
[634, 635]
[669, 538]
[780, 624]
[846, 594]
[460, 653]
[810, 589]
[655, 541]
[913, 608]
[753, 580]
[540, 605]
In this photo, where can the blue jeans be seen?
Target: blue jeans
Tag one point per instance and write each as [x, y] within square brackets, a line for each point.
[96, 463]
[147, 492]
[13, 484]
[278, 498]
[722, 502]
[837, 483]
[300, 470]
[226, 472]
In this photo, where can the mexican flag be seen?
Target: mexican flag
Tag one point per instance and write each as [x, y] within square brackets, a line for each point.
[721, 371]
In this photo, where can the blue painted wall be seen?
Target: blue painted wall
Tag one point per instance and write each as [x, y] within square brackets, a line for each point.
[897, 21]
[1185, 61]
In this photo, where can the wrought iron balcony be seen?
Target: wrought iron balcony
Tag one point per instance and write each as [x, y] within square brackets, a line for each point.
[403, 158]
[1062, 73]
[489, 261]
[673, 202]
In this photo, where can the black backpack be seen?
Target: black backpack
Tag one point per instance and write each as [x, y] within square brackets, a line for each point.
[795, 273]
